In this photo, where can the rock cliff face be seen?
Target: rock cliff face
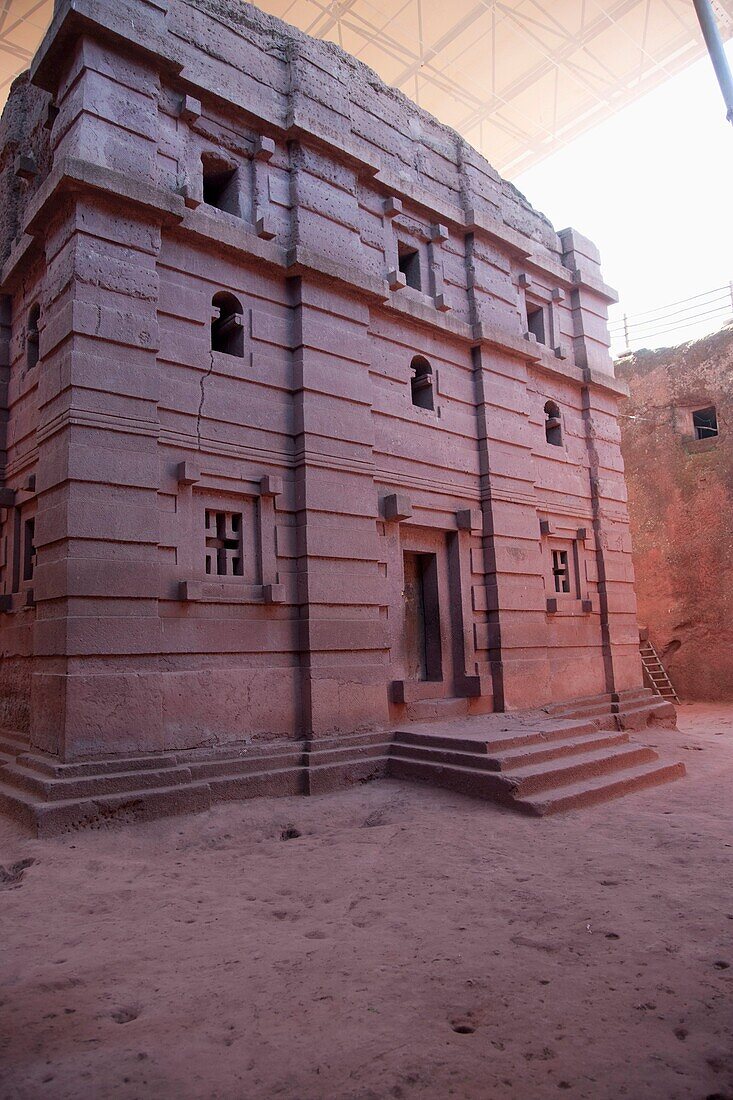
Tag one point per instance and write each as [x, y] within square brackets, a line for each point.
[681, 506]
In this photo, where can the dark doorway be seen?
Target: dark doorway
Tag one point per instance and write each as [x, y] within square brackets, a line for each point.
[422, 617]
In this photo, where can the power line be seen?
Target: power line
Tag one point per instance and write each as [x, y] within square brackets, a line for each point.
[629, 323]
[682, 321]
[697, 310]
[681, 302]
[681, 325]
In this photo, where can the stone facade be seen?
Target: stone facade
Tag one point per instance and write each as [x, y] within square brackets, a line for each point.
[679, 466]
[310, 422]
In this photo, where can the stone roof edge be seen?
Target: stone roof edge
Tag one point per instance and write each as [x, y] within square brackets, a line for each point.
[72, 16]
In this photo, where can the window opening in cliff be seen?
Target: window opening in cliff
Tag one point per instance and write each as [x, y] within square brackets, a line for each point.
[561, 570]
[34, 317]
[553, 424]
[227, 333]
[224, 544]
[408, 261]
[536, 322]
[705, 423]
[421, 383]
[220, 185]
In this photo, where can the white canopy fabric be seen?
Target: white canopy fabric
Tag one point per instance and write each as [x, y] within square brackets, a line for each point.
[518, 78]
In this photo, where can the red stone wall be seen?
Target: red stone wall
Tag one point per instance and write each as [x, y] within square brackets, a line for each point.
[681, 505]
[135, 429]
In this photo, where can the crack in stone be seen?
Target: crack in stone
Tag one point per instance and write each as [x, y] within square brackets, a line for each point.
[202, 382]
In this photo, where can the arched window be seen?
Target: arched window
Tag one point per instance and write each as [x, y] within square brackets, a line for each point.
[553, 424]
[220, 184]
[31, 336]
[421, 383]
[227, 334]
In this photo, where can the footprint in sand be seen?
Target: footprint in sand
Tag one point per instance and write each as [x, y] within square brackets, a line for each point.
[463, 1025]
[125, 1015]
[11, 877]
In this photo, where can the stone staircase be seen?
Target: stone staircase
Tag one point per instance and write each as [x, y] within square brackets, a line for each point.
[535, 761]
[568, 756]
[50, 797]
[12, 744]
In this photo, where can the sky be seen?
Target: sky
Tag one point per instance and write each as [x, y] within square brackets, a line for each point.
[653, 188]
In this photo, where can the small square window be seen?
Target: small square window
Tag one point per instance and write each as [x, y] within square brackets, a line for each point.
[705, 423]
[224, 544]
[409, 264]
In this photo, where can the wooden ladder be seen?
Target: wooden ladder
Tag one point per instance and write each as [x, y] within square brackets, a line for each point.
[655, 673]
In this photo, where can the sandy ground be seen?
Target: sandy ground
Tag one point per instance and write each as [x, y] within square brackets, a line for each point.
[410, 942]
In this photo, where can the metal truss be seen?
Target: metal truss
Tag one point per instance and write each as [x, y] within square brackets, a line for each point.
[518, 78]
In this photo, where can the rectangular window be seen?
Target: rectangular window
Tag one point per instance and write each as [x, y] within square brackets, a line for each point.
[29, 549]
[536, 322]
[705, 423]
[220, 186]
[409, 264]
[224, 556]
[561, 570]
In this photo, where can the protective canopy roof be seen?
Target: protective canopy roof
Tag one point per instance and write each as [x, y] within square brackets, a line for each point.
[518, 78]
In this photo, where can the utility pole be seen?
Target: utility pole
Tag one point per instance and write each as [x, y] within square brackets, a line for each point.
[714, 43]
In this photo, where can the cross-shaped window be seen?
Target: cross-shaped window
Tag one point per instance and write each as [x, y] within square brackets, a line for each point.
[561, 570]
[224, 544]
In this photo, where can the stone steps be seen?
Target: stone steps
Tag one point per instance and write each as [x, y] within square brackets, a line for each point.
[515, 756]
[326, 778]
[536, 763]
[659, 711]
[55, 817]
[244, 765]
[567, 760]
[49, 766]
[275, 783]
[603, 788]
[64, 789]
[584, 765]
[558, 749]
[590, 705]
[51, 797]
[633, 709]
[481, 783]
[595, 785]
[12, 743]
[431, 710]
[473, 736]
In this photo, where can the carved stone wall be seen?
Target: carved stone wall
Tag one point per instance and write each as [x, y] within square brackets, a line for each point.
[681, 502]
[287, 329]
